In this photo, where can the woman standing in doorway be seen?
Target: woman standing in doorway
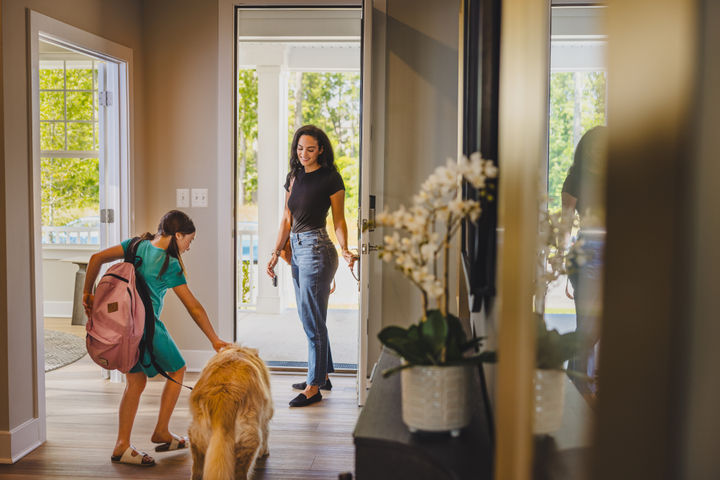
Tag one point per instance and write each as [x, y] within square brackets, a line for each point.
[162, 268]
[583, 192]
[313, 186]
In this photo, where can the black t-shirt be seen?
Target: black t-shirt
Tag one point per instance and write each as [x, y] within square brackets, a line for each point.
[309, 200]
[583, 180]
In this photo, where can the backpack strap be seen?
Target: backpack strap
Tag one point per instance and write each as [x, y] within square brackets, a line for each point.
[131, 252]
[146, 344]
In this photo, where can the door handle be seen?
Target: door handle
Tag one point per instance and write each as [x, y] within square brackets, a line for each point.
[367, 248]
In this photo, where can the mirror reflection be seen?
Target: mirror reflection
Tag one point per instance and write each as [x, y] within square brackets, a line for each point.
[577, 147]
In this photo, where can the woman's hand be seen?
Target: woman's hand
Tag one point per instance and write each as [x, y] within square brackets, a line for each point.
[87, 301]
[220, 344]
[349, 257]
[271, 265]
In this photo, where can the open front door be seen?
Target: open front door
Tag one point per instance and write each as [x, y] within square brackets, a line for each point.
[372, 101]
[364, 216]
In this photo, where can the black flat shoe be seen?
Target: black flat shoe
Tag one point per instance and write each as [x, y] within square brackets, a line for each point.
[301, 386]
[301, 400]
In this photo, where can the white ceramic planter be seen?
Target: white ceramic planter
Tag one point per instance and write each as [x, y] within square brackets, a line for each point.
[549, 400]
[436, 399]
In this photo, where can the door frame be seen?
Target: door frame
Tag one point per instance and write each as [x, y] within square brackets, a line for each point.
[42, 26]
[227, 126]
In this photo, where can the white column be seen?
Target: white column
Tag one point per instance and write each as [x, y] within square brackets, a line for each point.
[272, 167]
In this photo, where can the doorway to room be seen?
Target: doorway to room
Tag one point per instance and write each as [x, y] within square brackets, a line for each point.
[294, 67]
[80, 150]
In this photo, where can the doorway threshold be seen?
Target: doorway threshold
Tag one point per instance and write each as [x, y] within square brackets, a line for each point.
[289, 366]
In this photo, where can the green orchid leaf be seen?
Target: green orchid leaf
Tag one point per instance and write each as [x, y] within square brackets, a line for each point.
[434, 331]
[456, 343]
[412, 351]
[456, 332]
[475, 342]
[391, 333]
[477, 359]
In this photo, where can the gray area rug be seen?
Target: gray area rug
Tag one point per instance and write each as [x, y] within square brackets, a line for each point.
[62, 349]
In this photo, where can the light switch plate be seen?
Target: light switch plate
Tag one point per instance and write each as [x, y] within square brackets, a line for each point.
[182, 197]
[199, 197]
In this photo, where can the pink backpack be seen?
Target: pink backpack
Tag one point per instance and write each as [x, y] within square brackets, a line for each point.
[117, 320]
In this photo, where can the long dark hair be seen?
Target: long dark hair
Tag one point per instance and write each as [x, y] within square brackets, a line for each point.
[171, 223]
[326, 158]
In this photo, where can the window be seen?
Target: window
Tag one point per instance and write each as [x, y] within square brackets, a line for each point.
[69, 148]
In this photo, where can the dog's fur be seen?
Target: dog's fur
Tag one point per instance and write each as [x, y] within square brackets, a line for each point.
[231, 407]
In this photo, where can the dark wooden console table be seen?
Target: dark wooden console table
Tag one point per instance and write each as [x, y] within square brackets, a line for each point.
[385, 449]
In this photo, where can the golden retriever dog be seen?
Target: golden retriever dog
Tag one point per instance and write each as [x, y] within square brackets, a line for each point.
[231, 408]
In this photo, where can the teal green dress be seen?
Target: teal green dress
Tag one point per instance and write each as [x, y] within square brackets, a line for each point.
[166, 353]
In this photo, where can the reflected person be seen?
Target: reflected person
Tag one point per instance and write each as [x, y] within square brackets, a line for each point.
[582, 192]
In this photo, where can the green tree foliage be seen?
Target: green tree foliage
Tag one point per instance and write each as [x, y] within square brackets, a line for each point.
[565, 128]
[247, 135]
[68, 123]
[68, 186]
[331, 101]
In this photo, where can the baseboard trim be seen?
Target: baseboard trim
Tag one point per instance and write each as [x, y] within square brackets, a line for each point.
[58, 309]
[20, 441]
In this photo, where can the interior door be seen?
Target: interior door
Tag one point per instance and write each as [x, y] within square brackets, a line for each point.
[108, 145]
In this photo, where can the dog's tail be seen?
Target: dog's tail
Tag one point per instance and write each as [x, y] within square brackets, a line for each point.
[220, 454]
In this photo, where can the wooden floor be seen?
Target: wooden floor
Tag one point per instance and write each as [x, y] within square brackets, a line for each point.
[313, 442]
[63, 325]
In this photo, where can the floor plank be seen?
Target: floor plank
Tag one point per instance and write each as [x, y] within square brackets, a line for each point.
[313, 442]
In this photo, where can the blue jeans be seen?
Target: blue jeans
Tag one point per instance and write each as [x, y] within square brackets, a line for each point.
[314, 262]
[586, 281]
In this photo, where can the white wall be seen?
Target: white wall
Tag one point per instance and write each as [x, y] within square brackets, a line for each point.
[118, 21]
[181, 65]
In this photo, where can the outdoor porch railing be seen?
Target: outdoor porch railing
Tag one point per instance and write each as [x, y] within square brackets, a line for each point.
[70, 235]
[247, 267]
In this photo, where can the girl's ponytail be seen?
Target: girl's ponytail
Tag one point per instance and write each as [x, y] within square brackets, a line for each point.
[171, 223]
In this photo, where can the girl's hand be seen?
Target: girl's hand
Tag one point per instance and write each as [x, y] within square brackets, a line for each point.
[87, 301]
[220, 344]
[271, 265]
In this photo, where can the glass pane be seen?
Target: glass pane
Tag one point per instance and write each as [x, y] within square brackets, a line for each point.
[52, 136]
[572, 239]
[80, 136]
[79, 75]
[80, 106]
[52, 105]
[70, 200]
[51, 75]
